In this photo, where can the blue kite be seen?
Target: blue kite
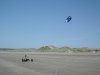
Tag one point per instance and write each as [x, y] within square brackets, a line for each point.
[68, 19]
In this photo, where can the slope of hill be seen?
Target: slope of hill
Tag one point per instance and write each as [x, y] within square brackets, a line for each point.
[51, 48]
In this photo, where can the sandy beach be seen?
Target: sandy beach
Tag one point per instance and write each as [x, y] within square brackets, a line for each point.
[50, 63]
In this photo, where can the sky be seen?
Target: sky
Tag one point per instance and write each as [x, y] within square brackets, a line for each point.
[36, 23]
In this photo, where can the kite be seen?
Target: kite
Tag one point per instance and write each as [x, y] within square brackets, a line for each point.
[68, 19]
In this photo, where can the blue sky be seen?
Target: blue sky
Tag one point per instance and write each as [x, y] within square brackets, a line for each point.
[35, 23]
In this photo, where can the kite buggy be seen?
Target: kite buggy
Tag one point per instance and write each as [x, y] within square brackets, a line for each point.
[26, 59]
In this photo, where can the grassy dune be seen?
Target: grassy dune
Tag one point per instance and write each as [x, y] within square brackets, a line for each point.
[51, 49]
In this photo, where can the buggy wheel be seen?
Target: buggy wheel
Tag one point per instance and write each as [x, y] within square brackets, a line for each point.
[31, 60]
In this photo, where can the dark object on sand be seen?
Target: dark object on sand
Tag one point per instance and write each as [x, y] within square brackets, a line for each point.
[26, 59]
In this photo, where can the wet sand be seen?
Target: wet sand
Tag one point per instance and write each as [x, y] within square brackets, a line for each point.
[50, 64]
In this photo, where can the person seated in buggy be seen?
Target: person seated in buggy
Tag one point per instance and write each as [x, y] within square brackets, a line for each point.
[26, 59]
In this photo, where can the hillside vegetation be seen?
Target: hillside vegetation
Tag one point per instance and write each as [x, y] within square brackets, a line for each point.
[66, 49]
[51, 48]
